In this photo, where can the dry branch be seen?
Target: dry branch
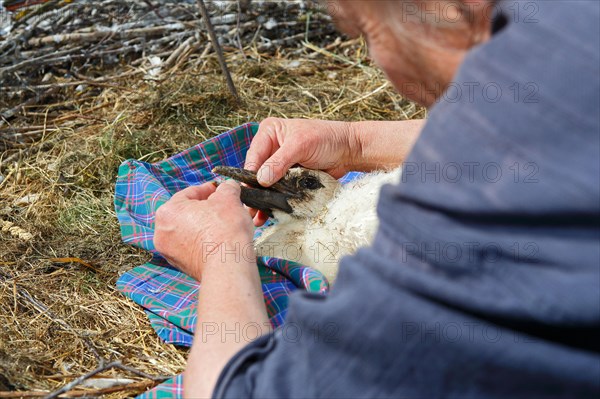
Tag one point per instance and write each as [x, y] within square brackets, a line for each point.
[100, 369]
[101, 35]
[218, 50]
[76, 36]
[138, 386]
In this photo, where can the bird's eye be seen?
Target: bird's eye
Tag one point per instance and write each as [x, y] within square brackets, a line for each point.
[309, 183]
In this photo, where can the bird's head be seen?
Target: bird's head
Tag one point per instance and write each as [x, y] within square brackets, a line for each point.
[301, 193]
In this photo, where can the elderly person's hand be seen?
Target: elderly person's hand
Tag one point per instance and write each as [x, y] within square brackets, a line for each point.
[315, 144]
[203, 226]
[206, 233]
[335, 147]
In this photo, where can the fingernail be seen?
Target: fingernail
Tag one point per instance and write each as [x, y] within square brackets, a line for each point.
[251, 166]
[264, 177]
[226, 183]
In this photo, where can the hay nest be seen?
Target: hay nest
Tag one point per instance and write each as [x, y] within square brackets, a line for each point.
[60, 248]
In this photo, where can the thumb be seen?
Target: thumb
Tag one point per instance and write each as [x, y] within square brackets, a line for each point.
[275, 167]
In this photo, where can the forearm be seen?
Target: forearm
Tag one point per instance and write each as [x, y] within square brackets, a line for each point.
[230, 302]
[382, 144]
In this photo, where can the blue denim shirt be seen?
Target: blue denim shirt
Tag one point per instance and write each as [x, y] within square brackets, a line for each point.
[484, 277]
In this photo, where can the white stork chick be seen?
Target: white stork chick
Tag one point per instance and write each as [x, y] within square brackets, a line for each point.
[319, 220]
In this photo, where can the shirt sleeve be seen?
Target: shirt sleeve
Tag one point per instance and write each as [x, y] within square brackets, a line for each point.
[279, 364]
[232, 382]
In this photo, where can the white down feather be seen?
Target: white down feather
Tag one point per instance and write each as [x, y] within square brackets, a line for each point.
[335, 222]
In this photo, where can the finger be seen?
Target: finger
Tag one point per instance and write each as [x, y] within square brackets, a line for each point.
[262, 146]
[276, 166]
[251, 211]
[260, 218]
[229, 191]
[198, 193]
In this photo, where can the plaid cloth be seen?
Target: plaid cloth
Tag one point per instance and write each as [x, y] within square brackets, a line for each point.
[167, 295]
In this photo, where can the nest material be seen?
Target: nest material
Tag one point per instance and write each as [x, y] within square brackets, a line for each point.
[63, 316]
[66, 52]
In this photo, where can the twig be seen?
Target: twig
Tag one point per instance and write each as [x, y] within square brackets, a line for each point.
[36, 60]
[184, 57]
[69, 84]
[22, 36]
[22, 394]
[137, 386]
[38, 11]
[4, 116]
[98, 370]
[217, 48]
[94, 36]
[238, 40]
[70, 57]
[153, 8]
[175, 54]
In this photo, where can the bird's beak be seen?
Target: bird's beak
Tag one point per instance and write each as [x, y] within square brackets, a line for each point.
[256, 196]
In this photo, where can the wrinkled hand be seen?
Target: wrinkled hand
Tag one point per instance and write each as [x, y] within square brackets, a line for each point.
[315, 144]
[203, 225]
